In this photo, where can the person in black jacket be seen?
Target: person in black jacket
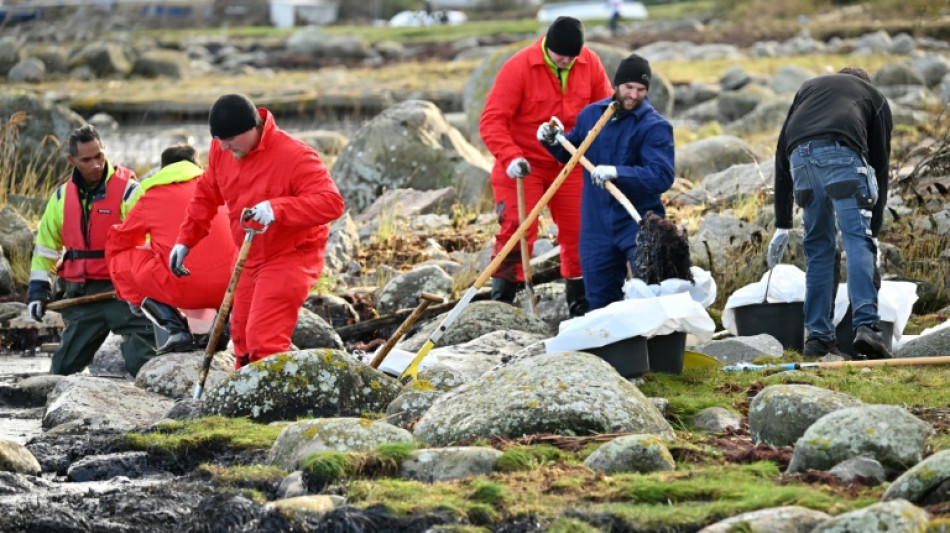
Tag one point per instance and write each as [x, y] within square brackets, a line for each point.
[832, 160]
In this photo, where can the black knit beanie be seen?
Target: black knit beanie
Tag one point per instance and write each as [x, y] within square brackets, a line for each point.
[231, 115]
[565, 37]
[633, 68]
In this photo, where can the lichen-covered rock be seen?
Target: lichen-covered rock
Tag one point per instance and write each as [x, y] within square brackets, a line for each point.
[411, 405]
[888, 433]
[927, 483]
[300, 439]
[473, 358]
[568, 393]
[445, 464]
[895, 515]
[789, 519]
[308, 383]
[780, 414]
[175, 374]
[715, 420]
[632, 453]
[410, 145]
[477, 319]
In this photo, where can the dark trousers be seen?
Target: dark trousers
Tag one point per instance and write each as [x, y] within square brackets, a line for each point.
[88, 325]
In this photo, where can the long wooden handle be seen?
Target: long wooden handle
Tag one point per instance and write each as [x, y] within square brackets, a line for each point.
[412, 370]
[525, 257]
[222, 315]
[425, 300]
[69, 302]
[611, 188]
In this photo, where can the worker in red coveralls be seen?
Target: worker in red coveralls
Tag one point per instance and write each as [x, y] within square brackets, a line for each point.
[138, 267]
[554, 76]
[255, 165]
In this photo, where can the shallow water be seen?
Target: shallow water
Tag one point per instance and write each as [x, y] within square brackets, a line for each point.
[16, 424]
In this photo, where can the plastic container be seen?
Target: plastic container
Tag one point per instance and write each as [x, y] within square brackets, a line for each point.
[666, 352]
[784, 320]
[844, 334]
[629, 356]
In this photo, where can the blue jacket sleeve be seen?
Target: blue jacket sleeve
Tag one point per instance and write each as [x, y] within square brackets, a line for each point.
[655, 172]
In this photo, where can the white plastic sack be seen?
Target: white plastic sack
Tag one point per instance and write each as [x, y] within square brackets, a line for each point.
[786, 285]
[621, 320]
[398, 360]
[895, 302]
[702, 290]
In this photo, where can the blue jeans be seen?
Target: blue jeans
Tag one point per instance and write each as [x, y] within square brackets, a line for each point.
[833, 182]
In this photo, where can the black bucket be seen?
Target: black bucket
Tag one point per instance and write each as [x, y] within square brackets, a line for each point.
[667, 352]
[628, 356]
[784, 320]
[844, 334]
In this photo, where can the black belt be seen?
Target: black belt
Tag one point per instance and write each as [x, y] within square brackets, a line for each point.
[820, 143]
[84, 254]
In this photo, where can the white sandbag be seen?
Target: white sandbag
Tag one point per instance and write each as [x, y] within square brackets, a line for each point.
[702, 289]
[895, 302]
[787, 284]
[621, 320]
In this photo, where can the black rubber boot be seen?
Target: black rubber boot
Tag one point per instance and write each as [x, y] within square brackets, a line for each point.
[577, 304]
[174, 322]
[503, 290]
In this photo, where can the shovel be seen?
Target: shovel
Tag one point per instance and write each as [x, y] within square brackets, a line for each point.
[413, 369]
[222, 315]
[525, 260]
[424, 300]
[69, 302]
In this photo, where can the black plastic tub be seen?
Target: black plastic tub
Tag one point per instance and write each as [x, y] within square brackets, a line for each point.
[784, 320]
[666, 352]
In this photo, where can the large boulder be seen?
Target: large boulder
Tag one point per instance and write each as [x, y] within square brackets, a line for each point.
[712, 154]
[887, 433]
[312, 331]
[299, 440]
[567, 393]
[174, 375]
[312, 383]
[894, 515]
[103, 403]
[104, 59]
[477, 319]
[788, 519]
[780, 414]
[410, 145]
[161, 64]
[402, 292]
[39, 128]
[927, 483]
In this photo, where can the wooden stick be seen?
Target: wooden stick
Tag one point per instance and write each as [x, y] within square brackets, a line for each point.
[611, 188]
[69, 302]
[525, 259]
[424, 300]
[897, 361]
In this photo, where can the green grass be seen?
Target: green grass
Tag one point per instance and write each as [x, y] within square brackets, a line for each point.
[203, 435]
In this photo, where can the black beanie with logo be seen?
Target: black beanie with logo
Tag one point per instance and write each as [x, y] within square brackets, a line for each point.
[565, 37]
[633, 68]
[232, 114]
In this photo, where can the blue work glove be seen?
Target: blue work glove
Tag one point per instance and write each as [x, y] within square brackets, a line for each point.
[261, 213]
[176, 260]
[548, 133]
[602, 174]
[38, 294]
[518, 168]
[777, 247]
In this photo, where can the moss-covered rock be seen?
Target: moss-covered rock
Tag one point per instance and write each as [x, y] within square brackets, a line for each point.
[301, 439]
[310, 383]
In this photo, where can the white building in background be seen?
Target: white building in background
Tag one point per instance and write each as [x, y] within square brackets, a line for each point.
[288, 13]
[592, 10]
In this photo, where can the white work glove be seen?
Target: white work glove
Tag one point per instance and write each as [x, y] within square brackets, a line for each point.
[261, 213]
[877, 249]
[777, 247]
[518, 168]
[37, 310]
[602, 174]
[176, 260]
[547, 133]
[136, 310]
